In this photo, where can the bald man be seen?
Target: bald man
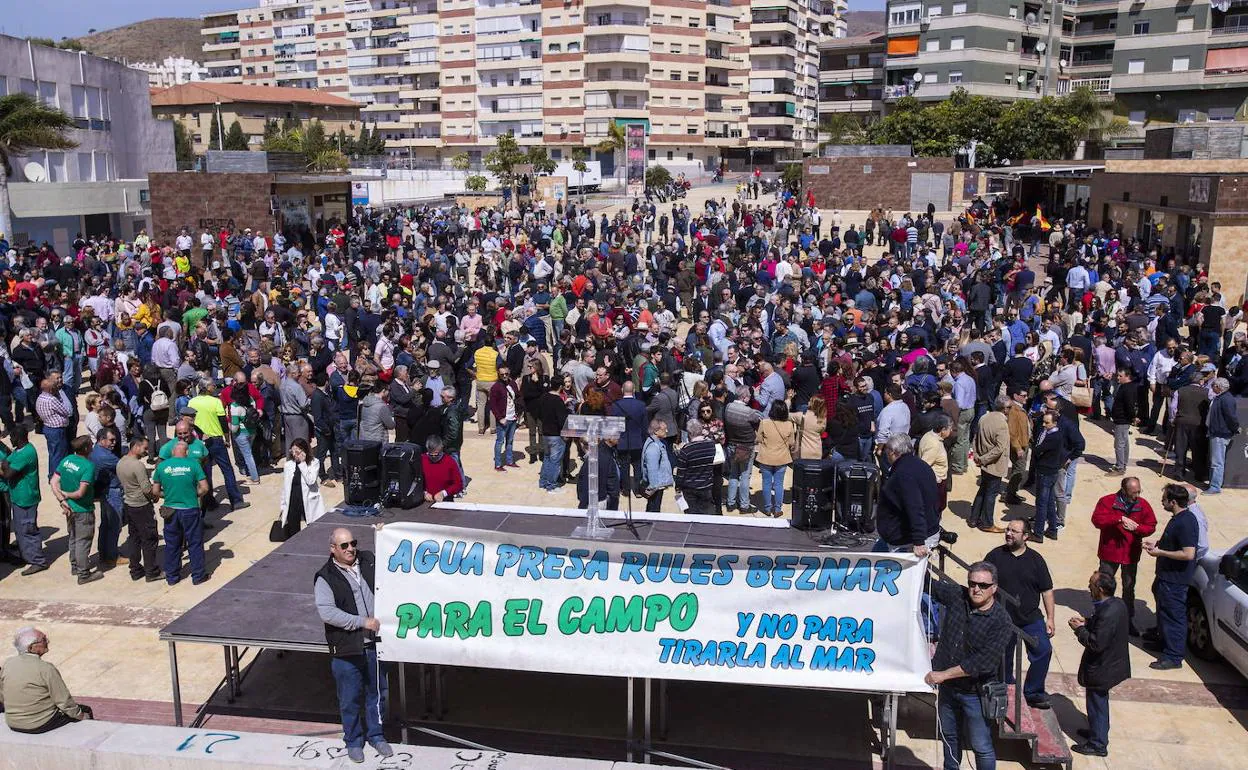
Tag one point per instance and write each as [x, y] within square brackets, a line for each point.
[344, 600]
[181, 482]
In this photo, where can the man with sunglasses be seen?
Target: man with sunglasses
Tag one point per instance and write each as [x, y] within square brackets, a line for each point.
[975, 631]
[344, 599]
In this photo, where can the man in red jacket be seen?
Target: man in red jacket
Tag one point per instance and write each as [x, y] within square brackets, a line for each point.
[1125, 519]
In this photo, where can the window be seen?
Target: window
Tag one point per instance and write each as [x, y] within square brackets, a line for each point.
[931, 77]
[910, 13]
[1010, 45]
[957, 43]
[1180, 63]
[675, 76]
[958, 8]
[554, 48]
[1136, 117]
[933, 12]
[1141, 27]
[56, 167]
[1188, 116]
[86, 165]
[931, 45]
[1221, 113]
[955, 76]
[1135, 67]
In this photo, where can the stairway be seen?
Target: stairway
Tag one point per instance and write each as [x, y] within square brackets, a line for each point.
[1039, 727]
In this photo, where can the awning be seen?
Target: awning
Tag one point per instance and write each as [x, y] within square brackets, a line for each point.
[903, 46]
[1082, 170]
[1226, 60]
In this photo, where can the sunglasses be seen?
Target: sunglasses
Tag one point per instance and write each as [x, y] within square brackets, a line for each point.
[348, 544]
[980, 586]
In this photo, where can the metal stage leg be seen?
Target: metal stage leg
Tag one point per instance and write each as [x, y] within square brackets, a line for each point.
[177, 687]
[231, 689]
[403, 701]
[645, 730]
[238, 671]
[888, 737]
[628, 736]
[662, 709]
[426, 689]
[439, 692]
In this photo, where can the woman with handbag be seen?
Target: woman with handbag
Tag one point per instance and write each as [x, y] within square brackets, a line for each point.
[809, 426]
[301, 492]
[776, 441]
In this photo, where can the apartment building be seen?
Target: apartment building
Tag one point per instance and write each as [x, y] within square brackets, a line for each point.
[99, 186]
[712, 81]
[851, 75]
[1156, 60]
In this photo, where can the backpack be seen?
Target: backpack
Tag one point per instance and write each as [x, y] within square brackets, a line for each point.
[159, 401]
[251, 420]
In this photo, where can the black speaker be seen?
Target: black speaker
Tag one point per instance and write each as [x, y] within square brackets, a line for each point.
[402, 483]
[814, 486]
[363, 472]
[857, 489]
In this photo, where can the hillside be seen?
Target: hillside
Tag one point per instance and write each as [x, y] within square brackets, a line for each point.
[150, 40]
[865, 22]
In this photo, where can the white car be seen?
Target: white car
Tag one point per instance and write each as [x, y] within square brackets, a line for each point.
[1217, 608]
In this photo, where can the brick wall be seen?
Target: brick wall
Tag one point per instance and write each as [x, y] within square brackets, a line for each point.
[857, 184]
[209, 200]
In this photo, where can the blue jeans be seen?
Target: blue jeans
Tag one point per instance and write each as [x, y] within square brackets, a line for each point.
[1046, 504]
[242, 441]
[1217, 461]
[108, 531]
[773, 487]
[1066, 489]
[1038, 659]
[739, 481]
[962, 709]
[552, 462]
[343, 430]
[184, 527]
[866, 448]
[361, 697]
[26, 532]
[1171, 619]
[58, 448]
[1097, 702]
[504, 435]
[219, 456]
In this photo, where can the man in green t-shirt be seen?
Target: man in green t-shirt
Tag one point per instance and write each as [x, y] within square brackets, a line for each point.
[21, 473]
[73, 483]
[213, 423]
[181, 481]
[184, 432]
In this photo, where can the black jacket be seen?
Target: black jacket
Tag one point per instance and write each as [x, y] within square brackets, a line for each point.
[909, 509]
[1126, 404]
[343, 643]
[1105, 662]
[1048, 455]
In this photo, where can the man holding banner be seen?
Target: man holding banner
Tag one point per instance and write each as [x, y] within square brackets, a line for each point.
[975, 631]
[344, 600]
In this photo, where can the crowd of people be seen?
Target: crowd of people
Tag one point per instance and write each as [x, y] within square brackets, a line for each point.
[747, 333]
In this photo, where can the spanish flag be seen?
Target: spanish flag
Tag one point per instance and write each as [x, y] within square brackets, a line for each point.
[1044, 223]
[1016, 218]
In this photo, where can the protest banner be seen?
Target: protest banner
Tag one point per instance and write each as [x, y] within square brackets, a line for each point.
[467, 597]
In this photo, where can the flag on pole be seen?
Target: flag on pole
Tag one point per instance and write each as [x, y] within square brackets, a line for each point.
[1044, 223]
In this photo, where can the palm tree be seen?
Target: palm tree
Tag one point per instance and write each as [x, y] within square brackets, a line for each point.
[615, 141]
[27, 125]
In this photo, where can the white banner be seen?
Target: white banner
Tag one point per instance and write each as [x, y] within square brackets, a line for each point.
[467, 597]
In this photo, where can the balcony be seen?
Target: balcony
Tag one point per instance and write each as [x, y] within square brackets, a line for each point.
[893, 93]
[1100, 86]
[1094, 34]
[852, 105]
[615, 25]
[846, 76]
[1228, 32]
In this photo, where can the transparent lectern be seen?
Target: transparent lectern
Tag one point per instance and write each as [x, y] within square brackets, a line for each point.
[593, 429]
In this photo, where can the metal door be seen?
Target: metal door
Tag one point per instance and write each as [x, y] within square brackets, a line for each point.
[929, 188]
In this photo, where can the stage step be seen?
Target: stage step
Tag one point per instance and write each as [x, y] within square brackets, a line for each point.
[1040, 728]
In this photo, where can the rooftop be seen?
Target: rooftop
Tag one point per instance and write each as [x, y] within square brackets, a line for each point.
[200, 92]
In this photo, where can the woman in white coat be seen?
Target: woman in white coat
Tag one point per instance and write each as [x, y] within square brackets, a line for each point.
[301, 489]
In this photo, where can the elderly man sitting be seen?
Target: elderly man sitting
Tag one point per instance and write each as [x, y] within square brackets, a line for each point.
[35, 697]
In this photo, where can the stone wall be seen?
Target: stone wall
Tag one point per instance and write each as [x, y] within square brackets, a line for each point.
[857, 184]
[194, 200]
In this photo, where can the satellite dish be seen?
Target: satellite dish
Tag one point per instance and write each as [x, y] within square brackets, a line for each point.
[1040, 46]
[1030, 18]
[917, 77]
[1021, 79]
[1064, 63]
[1221, 5]
[34, 172]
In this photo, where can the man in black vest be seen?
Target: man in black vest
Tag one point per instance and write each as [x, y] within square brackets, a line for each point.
[344, 600]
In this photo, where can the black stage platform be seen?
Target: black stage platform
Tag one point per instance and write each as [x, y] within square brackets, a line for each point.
[270, 606]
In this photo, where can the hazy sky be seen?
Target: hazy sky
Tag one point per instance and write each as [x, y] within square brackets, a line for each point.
[71, 18]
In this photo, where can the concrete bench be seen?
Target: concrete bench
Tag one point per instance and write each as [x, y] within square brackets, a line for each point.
[93, 745]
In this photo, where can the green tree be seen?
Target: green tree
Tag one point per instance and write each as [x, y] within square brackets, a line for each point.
[579, 156]
[235, 139]
[541, 162]
[461, 161]
[658, 176]
[791, 177]
[616, 140]
[502, 161]
[290, 123]
[843, 128]
[214, 133]
[27, 125]
[475, 183]
[183, 150]
[272, 130]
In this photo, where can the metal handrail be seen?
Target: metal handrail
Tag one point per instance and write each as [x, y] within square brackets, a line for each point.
[942, 552]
